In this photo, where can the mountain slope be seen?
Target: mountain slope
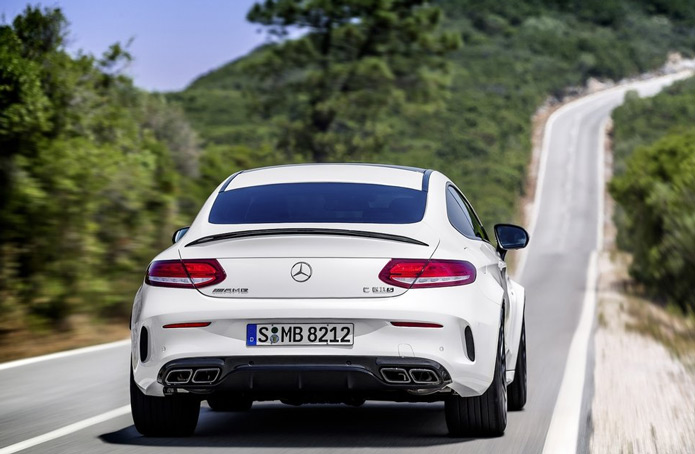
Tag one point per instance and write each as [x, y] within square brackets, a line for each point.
[515, 55]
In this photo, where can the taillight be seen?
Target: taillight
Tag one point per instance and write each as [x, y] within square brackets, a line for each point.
[187, 325]
[415, 325]
[185, 273]
[414, 273]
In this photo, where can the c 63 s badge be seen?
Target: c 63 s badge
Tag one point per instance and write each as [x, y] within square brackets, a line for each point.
[377, 289]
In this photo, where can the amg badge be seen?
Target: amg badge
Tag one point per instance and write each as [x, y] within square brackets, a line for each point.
[227, 291]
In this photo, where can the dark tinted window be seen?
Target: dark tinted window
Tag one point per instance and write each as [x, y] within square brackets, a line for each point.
[458, 215]
[319, 202]
[477, 226]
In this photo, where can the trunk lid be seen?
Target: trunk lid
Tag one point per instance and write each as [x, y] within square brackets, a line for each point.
[308, 265]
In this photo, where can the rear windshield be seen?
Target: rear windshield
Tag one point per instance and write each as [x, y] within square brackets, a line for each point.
[319, 202]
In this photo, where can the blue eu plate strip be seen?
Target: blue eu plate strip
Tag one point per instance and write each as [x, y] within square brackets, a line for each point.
[251, 334]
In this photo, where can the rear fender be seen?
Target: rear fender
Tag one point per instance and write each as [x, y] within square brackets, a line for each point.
[517, 299]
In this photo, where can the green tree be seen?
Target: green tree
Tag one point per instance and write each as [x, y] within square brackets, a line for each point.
[517, 55]
[657, 195]
[24, 107]
[92, 171]
[359, 62]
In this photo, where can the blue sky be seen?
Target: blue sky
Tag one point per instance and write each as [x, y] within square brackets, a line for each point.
[174, 40]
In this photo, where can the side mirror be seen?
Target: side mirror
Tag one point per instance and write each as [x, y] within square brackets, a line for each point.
[179, 234]
[510, 236]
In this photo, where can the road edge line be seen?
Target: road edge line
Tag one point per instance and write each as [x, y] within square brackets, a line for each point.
[545, 146]
[563, 432]
[603, 131]
[63, 354]
[543, 164]
[67, 430]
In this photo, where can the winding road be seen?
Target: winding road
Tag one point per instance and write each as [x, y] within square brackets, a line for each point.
[78, 401]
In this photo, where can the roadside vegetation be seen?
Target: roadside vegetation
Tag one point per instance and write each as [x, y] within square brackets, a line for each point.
[96, 173]
[477, 127]
[91, 172]
[654, 187]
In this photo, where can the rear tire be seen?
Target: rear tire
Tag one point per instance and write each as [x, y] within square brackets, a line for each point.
[229, 403]
[170, 416]
[485, 415]
[355, 402]
[517, 388]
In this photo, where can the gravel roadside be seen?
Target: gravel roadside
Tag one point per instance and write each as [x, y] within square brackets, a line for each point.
[644, 397]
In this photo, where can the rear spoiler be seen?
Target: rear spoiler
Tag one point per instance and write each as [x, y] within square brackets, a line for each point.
[305, 231]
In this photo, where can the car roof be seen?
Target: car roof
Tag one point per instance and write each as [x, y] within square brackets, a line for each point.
[407, 177]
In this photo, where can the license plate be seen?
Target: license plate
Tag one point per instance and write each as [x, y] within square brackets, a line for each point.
[300, 334]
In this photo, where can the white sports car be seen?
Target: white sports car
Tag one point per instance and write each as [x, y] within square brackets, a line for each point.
[331, 283]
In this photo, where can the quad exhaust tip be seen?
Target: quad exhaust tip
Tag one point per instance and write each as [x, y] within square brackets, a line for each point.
[395, 375]
[205, 376]
[424, 376]
[178, 376]
[202, 376]
[400, 375]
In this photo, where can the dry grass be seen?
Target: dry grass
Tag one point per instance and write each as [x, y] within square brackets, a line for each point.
[644, 392]
[644, 372]
[83, 332]
[669, 327]
[665, 324]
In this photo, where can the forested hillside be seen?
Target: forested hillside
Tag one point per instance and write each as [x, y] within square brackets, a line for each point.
[513, 56]
[96, 174]
[654, 186]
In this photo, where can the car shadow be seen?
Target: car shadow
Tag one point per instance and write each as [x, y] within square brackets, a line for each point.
[275, 425]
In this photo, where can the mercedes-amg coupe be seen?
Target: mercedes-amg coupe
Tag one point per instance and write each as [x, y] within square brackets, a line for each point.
[331, 283]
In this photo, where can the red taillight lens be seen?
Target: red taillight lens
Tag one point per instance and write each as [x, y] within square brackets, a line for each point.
[409, 273]
[415, 325]
[185, 273]
[187, 325]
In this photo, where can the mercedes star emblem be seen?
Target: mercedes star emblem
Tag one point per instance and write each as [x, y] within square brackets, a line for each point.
[301, 271]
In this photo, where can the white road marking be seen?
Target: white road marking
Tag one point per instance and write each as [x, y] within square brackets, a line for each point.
[67, 430]
[602, 131]
[540, 181]
[65, 354]
[563, 432]
[564, 426]
[545, 147]
[568, 185]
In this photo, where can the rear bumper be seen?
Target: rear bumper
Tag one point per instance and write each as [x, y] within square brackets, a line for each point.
[308, 378]
[456, 309]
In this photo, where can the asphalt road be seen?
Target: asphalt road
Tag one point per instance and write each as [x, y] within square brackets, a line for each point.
[38, 398]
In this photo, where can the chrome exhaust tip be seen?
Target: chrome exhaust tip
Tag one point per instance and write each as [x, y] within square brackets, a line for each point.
[178, 376]
[395, 375]
[424, 376]
[205, 376]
